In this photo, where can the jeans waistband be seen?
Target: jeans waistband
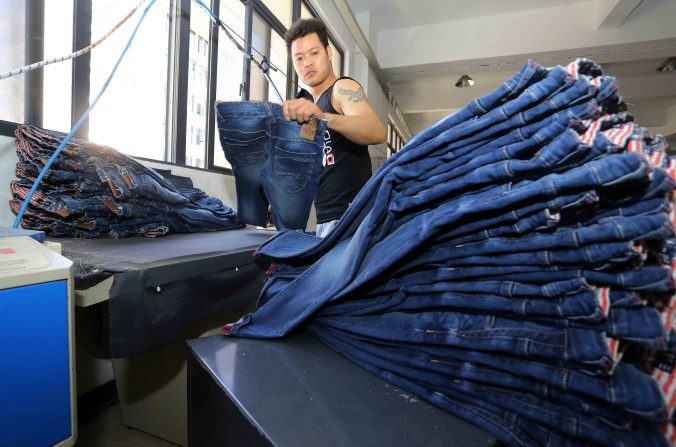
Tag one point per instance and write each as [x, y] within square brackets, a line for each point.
[249, 108]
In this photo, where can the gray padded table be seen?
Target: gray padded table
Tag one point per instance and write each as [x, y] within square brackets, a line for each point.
[296, 392]
[162, 285]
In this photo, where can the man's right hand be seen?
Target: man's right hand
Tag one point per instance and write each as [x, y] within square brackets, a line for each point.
[301, 110]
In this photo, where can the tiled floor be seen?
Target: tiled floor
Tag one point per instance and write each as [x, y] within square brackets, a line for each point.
[107, 430]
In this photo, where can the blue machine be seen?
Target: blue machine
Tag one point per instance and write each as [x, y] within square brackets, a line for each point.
[37, 371]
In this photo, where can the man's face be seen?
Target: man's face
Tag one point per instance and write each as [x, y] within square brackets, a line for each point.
[311, 60]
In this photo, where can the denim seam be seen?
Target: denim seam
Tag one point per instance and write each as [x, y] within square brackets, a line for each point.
[492, 418]
[570, 419]
[465, 334]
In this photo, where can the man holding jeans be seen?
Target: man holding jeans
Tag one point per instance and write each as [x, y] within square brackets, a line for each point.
[351, 123]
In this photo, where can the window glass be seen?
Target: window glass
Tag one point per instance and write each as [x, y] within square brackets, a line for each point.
[278, 57]
[282, 9]
[230, 65]
[260, 40]
[57, 78]
[198, 82]
[12, 31]
[131, 115]
[305, 12]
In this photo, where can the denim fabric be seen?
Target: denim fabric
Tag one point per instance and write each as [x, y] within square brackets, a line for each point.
[480, 332]
[427, 142]
[583, 306]
[317, 285]
[272, 163]
[512, 265]
[627, 388]
[640, 325]
[504, 396]
[475, 410]
[94, 191]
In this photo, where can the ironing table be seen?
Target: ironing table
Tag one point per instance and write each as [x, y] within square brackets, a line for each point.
[154, 293]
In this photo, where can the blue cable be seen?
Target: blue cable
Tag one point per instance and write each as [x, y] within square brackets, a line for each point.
[75, 128]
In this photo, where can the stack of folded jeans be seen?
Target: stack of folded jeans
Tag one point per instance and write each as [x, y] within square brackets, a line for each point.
[513, 264]
[93, 191]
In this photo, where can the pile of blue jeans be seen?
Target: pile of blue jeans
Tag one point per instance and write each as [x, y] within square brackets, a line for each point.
[93, 191]
[513, 265]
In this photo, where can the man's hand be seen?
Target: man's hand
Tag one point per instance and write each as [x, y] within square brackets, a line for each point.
[301, 110]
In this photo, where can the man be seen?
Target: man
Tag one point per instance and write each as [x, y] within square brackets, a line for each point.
[351, 123]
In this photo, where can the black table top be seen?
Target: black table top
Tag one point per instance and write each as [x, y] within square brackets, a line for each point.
[299, 392]
[97, 259]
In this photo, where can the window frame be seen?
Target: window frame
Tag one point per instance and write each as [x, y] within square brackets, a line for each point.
[178, 72]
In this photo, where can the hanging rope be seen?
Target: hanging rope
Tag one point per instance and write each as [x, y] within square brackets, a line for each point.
[41, 64]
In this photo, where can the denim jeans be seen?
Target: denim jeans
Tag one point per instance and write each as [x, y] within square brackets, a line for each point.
[360, 263]
[607, 240]
[272, 163]
[480, 332]
[506, 100]
[469, 408]
[627, 388]
[583, 306]
[97, 192]
[523, 396]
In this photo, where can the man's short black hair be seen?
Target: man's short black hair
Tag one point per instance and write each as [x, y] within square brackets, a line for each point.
[303, 27]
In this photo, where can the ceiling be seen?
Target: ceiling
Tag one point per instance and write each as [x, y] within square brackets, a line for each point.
[423, 47]
[405, 13]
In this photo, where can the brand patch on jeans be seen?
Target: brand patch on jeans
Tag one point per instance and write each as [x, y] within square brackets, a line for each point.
[309, 130]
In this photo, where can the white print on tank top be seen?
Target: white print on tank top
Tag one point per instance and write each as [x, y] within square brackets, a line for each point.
[328, 156]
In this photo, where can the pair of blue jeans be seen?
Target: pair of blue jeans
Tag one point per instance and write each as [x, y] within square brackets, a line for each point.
[273, 164]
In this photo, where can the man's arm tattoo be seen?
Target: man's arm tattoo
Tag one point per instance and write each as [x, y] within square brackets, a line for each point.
[353, 95]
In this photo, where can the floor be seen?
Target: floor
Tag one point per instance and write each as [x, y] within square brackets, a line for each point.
[107, 430]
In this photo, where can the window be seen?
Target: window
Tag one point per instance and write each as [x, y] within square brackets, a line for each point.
[230, 67]
[135, 100]
[57, 78]
[281, 9]
[11, 57]
[197, 83]
[394, 140]
[159, 104]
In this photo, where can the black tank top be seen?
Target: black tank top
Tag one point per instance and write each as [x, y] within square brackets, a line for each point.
[347, 166]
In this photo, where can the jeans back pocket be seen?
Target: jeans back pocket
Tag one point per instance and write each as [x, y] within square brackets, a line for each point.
[242, 138]
[292, 169]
